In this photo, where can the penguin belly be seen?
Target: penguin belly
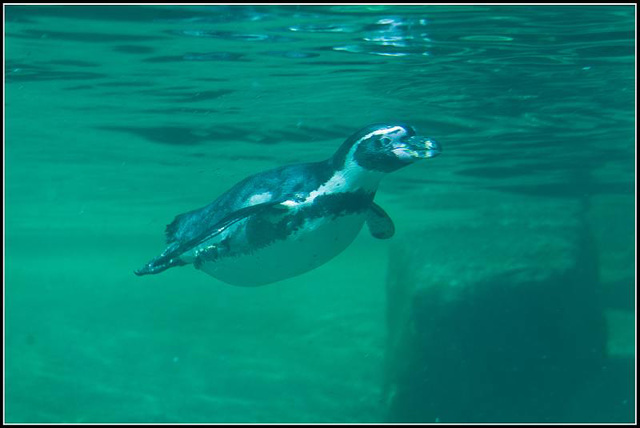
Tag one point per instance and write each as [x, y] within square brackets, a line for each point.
[315, 243]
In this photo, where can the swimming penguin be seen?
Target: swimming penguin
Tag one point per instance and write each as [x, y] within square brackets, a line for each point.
[284, 222]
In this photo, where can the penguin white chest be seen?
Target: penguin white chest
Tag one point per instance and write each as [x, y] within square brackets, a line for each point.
[316, 242]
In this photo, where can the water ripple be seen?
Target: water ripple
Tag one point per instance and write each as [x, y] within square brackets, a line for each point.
[324, 28]
[392, 36]
[228, 35]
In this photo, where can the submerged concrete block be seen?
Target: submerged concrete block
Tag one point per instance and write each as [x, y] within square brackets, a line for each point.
[498, 319]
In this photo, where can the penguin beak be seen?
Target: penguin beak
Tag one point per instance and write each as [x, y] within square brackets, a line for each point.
[416, 147]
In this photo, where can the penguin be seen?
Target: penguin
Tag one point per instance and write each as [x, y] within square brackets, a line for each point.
[289, 220]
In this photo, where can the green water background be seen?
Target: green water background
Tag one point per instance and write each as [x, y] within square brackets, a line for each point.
[118, 118]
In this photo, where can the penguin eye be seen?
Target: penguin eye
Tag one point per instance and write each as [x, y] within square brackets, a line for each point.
[385, 140]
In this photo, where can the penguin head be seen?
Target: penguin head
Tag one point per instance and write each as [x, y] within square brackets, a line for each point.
[385, 148]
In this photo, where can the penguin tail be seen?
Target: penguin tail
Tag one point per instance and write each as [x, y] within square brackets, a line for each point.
[159, 264]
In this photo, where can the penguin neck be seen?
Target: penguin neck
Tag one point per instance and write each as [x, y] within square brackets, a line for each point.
[349, 176]
[346, 177]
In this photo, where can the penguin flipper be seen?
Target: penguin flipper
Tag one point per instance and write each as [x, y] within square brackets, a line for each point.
[171, 256]
[379, 223]
[232, 218]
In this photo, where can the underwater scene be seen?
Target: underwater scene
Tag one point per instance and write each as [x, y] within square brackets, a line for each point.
[492, 280]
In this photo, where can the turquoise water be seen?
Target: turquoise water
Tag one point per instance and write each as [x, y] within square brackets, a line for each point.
[120, 117]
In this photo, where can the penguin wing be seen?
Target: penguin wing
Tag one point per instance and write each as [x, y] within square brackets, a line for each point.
[379, 223]
[230, 219]
[170, 256]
